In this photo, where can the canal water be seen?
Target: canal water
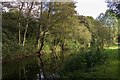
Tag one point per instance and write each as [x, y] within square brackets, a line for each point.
[22, 69]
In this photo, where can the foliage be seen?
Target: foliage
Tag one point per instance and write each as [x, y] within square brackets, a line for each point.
[63, 40]
[114, 7]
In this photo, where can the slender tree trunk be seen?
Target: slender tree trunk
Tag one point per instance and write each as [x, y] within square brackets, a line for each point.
[38, 40]
[38, 45]
[19, 34]
[26, 28]
[24, 37]
[19, 24]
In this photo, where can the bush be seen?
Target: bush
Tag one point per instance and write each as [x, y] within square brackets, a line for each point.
[83, 62]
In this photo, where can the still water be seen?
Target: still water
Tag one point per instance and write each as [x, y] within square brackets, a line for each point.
[23, 69]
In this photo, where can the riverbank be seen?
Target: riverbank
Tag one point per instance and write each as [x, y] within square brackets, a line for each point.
[108, 70]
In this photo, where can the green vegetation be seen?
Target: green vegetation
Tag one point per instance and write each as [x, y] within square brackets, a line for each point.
[108, 70]
[62, 42]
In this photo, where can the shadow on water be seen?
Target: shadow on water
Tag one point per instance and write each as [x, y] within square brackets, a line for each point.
[24, 69]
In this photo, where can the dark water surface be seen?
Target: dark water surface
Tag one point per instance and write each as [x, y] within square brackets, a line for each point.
[23, 69]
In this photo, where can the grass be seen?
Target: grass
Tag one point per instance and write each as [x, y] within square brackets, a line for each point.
[107, 70]
[110, 68]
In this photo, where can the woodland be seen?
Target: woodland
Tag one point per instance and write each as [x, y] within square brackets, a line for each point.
[51, 41]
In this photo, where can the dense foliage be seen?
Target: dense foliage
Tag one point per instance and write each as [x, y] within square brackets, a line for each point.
[63, 40]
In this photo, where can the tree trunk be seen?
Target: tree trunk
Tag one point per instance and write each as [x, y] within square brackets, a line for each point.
[26, 28]
[24, 38]
[41, 41]
[40, 53]
[38, 37]
[19, 25]
[19, 34]
[40, 44]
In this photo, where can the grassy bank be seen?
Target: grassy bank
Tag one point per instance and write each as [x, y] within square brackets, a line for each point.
[109, 70]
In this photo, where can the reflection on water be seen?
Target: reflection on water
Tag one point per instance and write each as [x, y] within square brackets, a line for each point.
[24, 69]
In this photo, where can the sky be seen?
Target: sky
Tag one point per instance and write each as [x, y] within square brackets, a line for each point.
[91, 7]
[88, 7]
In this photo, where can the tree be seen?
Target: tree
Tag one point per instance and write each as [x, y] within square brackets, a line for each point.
[110, 21]
[114, 7]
